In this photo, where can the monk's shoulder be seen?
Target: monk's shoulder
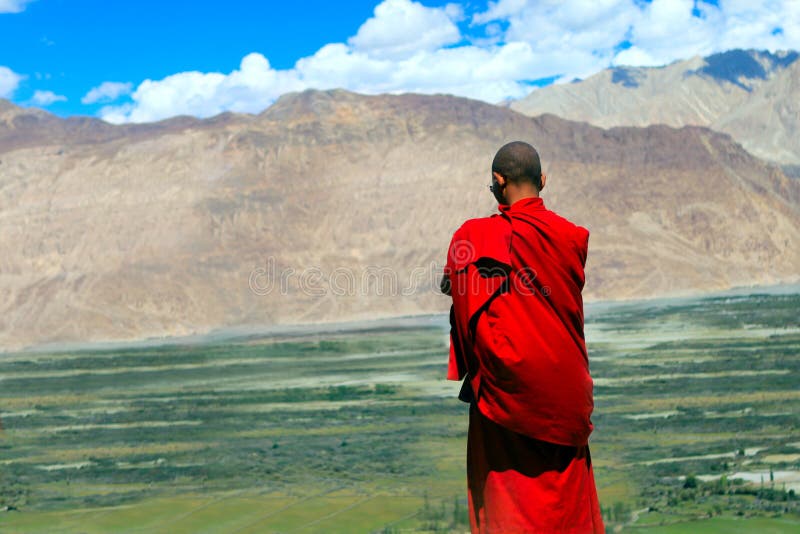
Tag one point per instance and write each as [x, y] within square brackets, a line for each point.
[481, 226]
[577, 232]
[481, 238]
[577, 236]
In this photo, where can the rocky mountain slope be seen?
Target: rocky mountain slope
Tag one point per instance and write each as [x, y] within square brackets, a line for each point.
[334, 206]
[754, 96]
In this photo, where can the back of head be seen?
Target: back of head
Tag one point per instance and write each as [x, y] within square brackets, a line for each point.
[518, 162]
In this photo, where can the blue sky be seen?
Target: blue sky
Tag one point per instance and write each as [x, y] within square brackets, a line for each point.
[78, 44]
[149, 60]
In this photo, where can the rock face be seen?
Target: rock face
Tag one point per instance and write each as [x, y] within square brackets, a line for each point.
[334, 206]
[753, 96]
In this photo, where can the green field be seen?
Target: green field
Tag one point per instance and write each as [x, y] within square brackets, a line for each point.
[696, 428]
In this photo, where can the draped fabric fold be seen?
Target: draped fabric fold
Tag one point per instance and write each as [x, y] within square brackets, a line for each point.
[517, 340]
[517, 321]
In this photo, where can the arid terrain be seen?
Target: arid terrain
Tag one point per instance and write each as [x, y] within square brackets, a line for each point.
[752, 95]
[332, 206]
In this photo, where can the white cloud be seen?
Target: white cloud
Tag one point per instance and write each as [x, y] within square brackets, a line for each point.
[732, 24]
[107, 92]
[402, 28]
[465, 70]
[750, 24]
[654, 34]
[250, 89]
[45, 98]
[584, 35]
[408, 47]
[9, 81]
[573, 38]
[13, 6]
[117, 114]
[635, 57]
[502, 9]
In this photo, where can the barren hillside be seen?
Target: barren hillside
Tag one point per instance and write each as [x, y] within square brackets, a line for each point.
[124, 232]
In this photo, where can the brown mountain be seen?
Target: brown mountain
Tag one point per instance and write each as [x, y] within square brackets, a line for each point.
[124, 232]
[752, 95]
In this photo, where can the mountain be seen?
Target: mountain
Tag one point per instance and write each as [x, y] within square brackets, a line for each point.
[30, 127]
[753, 96]
[311, 211]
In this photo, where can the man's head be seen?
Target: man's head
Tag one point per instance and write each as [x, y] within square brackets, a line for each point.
[516, 172]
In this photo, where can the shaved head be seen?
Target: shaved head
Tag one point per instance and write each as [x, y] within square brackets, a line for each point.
[518, 162]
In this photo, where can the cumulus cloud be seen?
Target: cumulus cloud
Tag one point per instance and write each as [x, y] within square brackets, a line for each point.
[45, 98]
[589, 35]
[13, 6]
[635, 57]
[465, 70]
[402, 28]
[9, 81]
[573, 38]
[107, 92]
[654, 35]
[250, 89]
[492, 55]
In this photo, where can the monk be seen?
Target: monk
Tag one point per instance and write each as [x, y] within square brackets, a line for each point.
[517, 340]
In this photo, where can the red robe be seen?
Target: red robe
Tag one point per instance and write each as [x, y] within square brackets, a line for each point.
[517, 333]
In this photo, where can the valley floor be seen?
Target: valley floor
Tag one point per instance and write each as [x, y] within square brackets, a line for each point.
[696, 428]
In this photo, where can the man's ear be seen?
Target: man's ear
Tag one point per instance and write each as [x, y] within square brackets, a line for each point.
[500, 178]
[544, 179]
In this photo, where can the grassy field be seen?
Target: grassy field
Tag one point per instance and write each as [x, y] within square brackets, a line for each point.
[696, 428]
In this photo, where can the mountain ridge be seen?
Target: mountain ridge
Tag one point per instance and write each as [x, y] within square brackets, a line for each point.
[749, 94]
[161, 234]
